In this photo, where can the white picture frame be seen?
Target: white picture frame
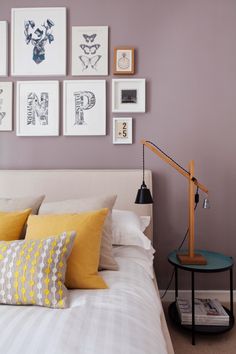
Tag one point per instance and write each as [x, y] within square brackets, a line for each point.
[84, 107]
[89, 50]
[128, 95]
[37, 108]
[38, 41]
[122, 130]
[6, 106]
[4, 48]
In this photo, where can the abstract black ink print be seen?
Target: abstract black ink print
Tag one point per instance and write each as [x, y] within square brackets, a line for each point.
[128, 96]
[89, 62]
[2, 114]
[38, 37]
[84, 100]
[90, 49]
[37, 109]
[89, 38]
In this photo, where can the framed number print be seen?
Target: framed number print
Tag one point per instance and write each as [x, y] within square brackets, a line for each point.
[38, 41]
[128, 95]
[122, 130]
[5, 106]
[123, 61]
[85, 107]
[3, 48]
[37, 111]
[90, 50]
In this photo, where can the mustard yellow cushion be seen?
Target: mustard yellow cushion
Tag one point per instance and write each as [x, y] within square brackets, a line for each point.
[83, 262]
[12, 223]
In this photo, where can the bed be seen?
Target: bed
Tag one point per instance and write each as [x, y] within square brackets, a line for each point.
[128, 318]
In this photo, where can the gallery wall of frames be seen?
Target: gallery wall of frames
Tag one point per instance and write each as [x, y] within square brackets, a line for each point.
[39, 48]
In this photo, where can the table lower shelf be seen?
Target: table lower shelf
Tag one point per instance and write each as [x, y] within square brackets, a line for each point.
[174, 316]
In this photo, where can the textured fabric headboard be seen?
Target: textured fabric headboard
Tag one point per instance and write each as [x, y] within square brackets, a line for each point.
[70, 184]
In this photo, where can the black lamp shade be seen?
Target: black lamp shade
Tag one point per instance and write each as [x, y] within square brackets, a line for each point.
[144, 195]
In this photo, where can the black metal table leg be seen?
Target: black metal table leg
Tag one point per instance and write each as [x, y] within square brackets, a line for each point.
[231, 293]
[176, 283]
[193, 309]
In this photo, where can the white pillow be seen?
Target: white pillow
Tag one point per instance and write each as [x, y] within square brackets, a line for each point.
[128, 227]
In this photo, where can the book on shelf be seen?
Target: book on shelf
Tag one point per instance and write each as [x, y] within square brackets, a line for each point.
[208, 312]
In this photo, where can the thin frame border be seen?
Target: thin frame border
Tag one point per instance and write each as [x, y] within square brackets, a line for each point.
[18, 83]
[130, 120]
[12, 42]
[142, 84]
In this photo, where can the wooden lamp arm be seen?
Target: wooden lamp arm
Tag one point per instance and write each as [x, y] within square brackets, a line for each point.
[173, 164]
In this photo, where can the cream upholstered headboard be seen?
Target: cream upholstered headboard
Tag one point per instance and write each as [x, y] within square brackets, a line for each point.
[70, 184]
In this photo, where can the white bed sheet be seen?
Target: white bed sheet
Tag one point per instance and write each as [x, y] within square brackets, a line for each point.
[125, 319]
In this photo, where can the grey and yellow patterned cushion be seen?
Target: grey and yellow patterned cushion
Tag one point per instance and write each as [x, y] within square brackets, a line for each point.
[32, 272]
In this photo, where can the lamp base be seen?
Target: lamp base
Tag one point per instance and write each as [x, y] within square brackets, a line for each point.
[196, 259]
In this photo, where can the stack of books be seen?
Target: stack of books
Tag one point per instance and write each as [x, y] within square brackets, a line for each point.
[208, 312]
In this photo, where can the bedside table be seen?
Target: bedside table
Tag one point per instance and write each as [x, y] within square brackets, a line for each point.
[216, 262]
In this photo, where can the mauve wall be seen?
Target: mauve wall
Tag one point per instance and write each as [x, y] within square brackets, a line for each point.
[186, 50]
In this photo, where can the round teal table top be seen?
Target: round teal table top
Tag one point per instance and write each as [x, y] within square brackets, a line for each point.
[216, 262]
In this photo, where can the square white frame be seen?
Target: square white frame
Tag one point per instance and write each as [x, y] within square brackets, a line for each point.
[22, 63]
[123, 140]
[4, 48]
[97, 116]
[128, 84]
[6, 106]
[93, 61]
[37, 87]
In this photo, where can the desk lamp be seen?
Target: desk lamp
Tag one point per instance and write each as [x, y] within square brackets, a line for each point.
[144, 197]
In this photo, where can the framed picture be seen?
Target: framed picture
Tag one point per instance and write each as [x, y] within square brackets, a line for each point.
[128, 95]
[90, 50]
[123, 61]
[37, 110]
[122, 130]
[4, 48]
[5, 106]
[38, 43]
[85, 107]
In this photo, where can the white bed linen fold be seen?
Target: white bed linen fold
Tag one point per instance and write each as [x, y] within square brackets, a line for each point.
[125, 319]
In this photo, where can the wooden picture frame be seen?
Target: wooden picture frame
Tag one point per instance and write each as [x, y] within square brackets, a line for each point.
[123, 61]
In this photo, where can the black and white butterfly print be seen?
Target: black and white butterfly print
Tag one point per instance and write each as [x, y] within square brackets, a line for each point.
[89, 62]
[89, 38]
[90, 49]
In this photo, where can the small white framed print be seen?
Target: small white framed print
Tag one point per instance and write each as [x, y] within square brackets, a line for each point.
[128, 95]
[84, 107]
[37, 110]
[4, 48]
[89, 50]
[122, 130]
[38, 41]
[5, 106]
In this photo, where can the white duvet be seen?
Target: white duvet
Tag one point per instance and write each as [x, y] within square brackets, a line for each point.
[125, 319]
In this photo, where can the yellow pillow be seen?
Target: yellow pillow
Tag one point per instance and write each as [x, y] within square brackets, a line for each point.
[12, 223]
[83, 262]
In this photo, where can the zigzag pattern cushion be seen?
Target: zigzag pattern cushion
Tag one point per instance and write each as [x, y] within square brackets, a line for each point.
[32, 272]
